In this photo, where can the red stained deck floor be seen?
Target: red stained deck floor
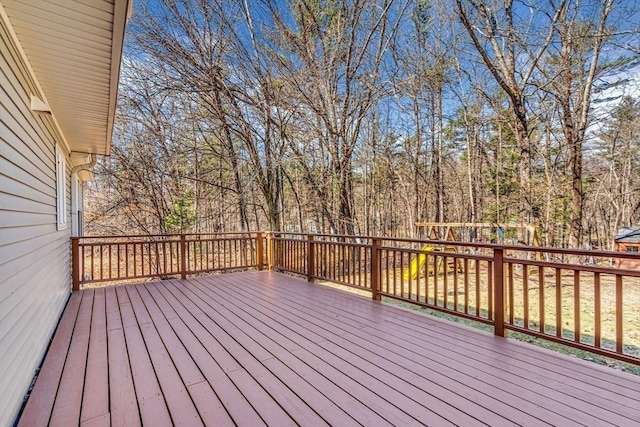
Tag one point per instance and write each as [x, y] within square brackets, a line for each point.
[262, 348]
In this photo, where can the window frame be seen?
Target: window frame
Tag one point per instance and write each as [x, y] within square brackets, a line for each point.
[61, 189]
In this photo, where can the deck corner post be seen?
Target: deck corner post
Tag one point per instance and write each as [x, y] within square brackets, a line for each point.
[183, 256]
[259, 251]
[75, 264]
[376, 274]
[498, 292]
[310, 258]
[269, 242]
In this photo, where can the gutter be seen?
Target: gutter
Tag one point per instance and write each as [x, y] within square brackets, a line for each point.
[85, 166]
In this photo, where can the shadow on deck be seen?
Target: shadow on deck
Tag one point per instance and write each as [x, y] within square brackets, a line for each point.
[260, 348]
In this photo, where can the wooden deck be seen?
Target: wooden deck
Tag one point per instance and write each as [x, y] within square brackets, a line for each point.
[262, 348]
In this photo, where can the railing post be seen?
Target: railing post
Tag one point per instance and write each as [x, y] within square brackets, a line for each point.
[183, 256]
[75, 264]
[376, 275]
[310, 258]
[277, 252]
[498, 292]
[269, 250]
[259, 251]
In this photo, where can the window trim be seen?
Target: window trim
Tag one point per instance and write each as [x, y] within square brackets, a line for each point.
[76, 205]
[61, 189]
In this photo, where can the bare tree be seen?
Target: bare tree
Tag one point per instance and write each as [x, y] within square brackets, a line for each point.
[515, 45]
[570, 73]
[349, 117]
[332, 59]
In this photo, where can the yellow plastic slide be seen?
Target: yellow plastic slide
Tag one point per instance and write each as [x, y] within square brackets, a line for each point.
[417, 263]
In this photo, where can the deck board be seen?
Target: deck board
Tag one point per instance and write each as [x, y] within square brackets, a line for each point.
[95, 403]
[384, 389]
[441, 358]
[253, 334]
[66, 408]
[469, 344]
[40, 404]
[181, 407]
[203, 346]
[207, 402]
[122, 396]
[148, 395]
[262, 348]
[249, 353]
[360, 352]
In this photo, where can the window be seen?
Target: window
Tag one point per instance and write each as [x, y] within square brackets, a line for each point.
[633, 249]
[61, 188]
[76, 205]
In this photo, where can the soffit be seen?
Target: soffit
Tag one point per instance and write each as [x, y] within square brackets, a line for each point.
[74, 48]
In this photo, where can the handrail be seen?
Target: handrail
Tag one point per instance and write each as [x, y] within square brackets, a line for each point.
[542, 249]
[522, 248]
[590, 307]
[143, 236]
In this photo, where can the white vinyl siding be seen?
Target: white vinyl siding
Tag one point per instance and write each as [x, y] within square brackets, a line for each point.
[34, 254]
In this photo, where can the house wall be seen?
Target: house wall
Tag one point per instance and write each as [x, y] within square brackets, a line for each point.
[34, 254]
[628, 263]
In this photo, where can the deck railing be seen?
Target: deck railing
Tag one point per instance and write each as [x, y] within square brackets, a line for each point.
[573, 297]
[577, 298]
[126, 258]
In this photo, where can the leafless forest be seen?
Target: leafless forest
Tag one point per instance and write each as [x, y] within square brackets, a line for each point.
[367, 116]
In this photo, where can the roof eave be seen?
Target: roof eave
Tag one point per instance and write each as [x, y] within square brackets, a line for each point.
[122, 12]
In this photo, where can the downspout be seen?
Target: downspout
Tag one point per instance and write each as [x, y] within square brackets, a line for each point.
[75, 190]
